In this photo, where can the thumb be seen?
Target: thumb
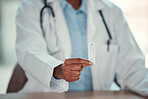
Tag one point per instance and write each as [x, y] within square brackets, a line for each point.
[85, 65]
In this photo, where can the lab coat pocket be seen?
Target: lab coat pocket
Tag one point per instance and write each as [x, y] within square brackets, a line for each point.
[110, 55]
[107, 60]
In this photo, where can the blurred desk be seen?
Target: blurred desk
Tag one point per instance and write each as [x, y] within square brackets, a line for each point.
[76, 95]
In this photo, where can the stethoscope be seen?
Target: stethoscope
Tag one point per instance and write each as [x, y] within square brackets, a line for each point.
[53, 15]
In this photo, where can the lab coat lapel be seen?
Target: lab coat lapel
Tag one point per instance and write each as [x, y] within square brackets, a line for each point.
[95, 25]
[93, 7]
[91, 28]
[62, 30]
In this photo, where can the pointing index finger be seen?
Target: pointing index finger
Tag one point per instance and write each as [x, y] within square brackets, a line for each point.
[78, 61]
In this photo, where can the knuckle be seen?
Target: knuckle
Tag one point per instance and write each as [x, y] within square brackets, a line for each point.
[79, 59]
[65, 61]
[67, 79]
[79, 73]
[84, 65]
[78, 78]
[75, 79]
[80, 66]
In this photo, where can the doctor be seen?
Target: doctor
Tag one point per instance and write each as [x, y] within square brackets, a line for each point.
[53, 52]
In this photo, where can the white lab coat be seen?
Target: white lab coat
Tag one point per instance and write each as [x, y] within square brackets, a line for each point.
[39, 55]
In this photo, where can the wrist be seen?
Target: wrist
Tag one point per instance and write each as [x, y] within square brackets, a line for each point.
[58, 72]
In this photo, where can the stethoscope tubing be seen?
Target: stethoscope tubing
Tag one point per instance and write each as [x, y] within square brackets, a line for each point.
[53, 15]
[107, 29]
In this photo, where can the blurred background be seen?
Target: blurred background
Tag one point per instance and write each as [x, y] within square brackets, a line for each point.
[135, 11]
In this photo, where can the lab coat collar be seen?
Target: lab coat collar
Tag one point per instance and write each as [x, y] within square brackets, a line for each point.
[93, 6]
[96, 4]
[100, 5]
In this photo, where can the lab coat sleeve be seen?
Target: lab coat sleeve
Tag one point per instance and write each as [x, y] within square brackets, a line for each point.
[32, 51]
[131, 71]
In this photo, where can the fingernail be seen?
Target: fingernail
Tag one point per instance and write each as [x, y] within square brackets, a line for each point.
[90, 63]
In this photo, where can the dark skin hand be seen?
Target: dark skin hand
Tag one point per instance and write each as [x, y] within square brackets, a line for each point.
[71, 69]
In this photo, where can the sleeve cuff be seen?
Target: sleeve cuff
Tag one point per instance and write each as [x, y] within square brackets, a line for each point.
[59, 85]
